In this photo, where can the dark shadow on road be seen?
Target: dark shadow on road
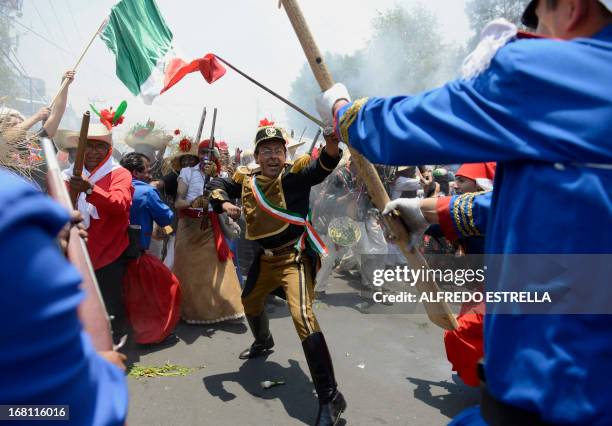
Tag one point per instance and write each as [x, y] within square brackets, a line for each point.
[458, 398]
[189, 333]
[134, 351]
[296, 394]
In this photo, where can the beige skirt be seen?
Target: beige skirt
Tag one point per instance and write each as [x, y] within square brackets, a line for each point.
[210, 288]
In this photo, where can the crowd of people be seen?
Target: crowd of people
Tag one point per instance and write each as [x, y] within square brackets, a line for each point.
[178, 228]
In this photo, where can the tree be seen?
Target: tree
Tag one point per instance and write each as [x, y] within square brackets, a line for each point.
[404, 56]
[8, 82]
[481, 12]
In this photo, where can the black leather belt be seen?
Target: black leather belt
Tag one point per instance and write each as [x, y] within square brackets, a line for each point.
[279, 251]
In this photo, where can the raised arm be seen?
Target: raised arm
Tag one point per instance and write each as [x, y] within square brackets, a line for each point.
[59, 107]
[505, 114]
[313, 172]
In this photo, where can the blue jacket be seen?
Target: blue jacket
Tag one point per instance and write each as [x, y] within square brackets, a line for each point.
[147, 207]
[46, 357]
[543, 111]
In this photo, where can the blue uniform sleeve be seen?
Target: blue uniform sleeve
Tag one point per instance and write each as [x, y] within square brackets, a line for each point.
[46, 357]
[517, 109]
[161, 213]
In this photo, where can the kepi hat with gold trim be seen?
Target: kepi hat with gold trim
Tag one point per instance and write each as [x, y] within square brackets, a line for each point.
[267, 131]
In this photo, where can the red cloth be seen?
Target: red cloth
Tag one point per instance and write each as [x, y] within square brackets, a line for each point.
[444, 218]
[108, 238]
[152, 299]
[477, 171]
[223, 250]
[315, 153]
[210, 68]
[464, 346]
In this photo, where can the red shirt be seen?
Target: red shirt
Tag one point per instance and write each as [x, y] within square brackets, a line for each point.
[108, 238]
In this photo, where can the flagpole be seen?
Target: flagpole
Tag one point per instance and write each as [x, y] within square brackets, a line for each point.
[78, 62]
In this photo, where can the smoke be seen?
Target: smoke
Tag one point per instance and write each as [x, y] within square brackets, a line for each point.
[405, 56]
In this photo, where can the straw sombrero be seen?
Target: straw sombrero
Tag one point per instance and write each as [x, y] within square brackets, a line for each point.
[147, 135]
[96, 132]
[66, 139]
[185, 147]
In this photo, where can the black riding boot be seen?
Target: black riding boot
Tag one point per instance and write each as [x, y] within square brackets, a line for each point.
[331, 402]
[263, 339]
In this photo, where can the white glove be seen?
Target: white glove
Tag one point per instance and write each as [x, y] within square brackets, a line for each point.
[229, 227]
[410, 210]
[326, 101]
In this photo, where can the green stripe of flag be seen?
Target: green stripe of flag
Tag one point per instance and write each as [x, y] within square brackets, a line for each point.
[139, 37]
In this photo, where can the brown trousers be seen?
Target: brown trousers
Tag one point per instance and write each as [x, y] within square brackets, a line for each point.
[294, 274]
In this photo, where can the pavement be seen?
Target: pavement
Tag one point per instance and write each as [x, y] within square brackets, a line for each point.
[391, 368]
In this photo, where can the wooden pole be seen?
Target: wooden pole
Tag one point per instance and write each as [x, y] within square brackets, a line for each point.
[80, 154]
[78, 62]
[92, 311]
[439, 312]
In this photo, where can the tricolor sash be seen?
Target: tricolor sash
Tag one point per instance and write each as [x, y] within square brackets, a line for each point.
[292, 218]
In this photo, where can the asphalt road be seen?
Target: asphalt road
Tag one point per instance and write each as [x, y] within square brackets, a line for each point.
[391, 368]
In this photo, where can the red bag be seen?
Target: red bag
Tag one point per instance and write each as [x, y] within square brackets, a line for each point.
[464, 346]
[152, 299]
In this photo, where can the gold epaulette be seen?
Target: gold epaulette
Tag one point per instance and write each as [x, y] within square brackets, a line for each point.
[300, 163]
[240, 174]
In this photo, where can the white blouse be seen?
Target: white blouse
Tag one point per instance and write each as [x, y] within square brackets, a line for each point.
[194, 178]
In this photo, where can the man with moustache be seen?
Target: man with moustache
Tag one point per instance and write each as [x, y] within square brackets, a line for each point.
[275, 203]
[105, 197]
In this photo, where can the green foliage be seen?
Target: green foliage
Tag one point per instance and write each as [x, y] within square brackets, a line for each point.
[405, 55]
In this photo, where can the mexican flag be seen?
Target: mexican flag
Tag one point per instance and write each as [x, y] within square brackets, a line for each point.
[143, 46]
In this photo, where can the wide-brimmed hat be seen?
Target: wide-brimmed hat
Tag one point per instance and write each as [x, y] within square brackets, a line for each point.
[66, 139]
[6, 113]
[184, 147]
[96, 132]
[148, 135]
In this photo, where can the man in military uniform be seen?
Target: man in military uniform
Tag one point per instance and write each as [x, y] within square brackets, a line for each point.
[275, 203]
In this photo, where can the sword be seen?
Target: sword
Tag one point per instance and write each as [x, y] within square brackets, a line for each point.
[205, 193]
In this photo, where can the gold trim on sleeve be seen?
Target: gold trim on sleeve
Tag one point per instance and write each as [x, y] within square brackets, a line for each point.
[349, 117]
[218, 194]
